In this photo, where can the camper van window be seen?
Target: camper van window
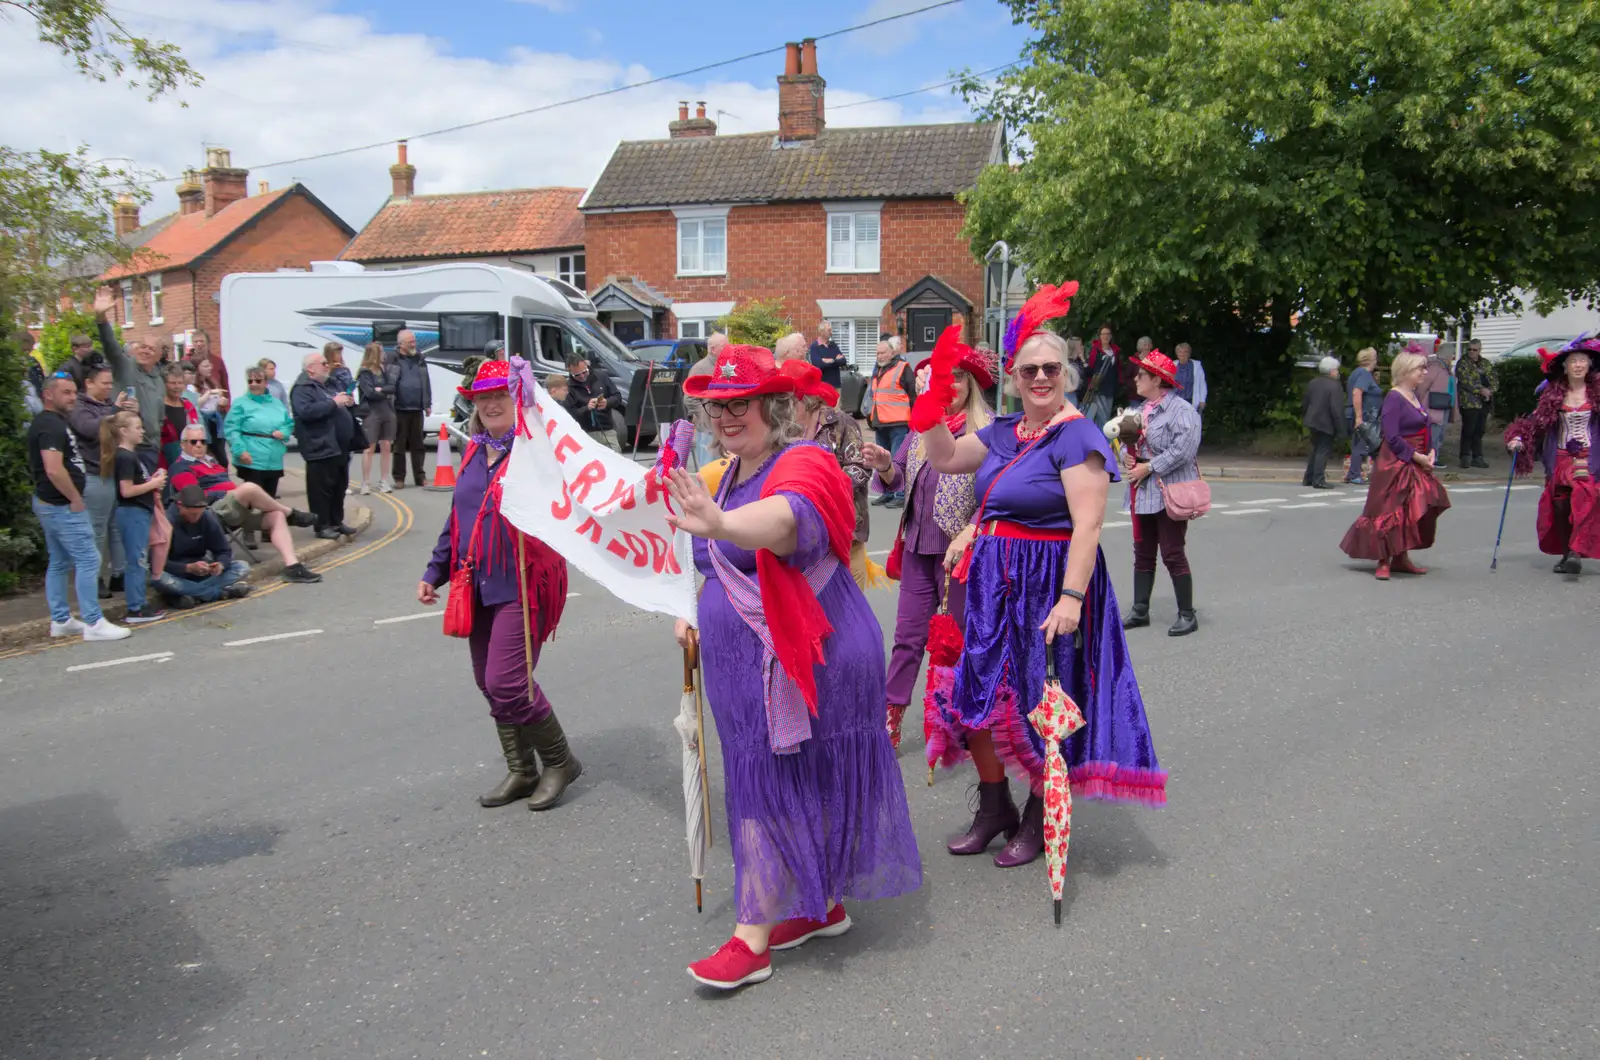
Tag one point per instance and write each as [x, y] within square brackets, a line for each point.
[467, 331]
[599, 336]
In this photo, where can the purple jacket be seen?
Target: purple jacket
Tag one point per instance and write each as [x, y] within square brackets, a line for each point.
[494, 566]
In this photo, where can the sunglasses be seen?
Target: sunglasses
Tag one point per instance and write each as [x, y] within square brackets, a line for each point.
[959, 375]
[1030, 372]
[737, 407]
[194, 441]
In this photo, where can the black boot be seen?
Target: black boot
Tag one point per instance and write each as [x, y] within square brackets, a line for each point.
[997, 815]
[561, 767]
[521, 775]
[1144, 582]
[1187, 623]
[1570, 564]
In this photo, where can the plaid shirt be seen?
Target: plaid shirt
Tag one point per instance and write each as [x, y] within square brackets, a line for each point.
[1471, 377]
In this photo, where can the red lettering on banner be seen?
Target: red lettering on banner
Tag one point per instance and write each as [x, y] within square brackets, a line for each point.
[661, 554]
[592, 529]
[641, 554]
[617, 548]
[620, 492]
[593, 473]
[562, 509]
[567, 444]
[550, 428]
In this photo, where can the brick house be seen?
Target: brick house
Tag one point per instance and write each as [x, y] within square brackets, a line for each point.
[539, 229]
[858, 226]
[171, 286]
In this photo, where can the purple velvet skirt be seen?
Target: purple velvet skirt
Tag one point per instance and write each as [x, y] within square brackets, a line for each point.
[1011, 586]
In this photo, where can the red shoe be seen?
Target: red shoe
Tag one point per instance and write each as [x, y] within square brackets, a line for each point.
[1403, 564]
[791, 933]
[1382, 573]
[732, 966]
[896, 714]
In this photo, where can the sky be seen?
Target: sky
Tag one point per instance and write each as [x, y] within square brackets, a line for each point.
[285, 79]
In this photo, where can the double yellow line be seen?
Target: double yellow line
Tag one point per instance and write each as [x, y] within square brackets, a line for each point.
[404, 518]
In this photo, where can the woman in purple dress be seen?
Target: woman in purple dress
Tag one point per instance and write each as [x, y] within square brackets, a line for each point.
[1035, 577]
[1404, 497]
[511, 616]
[936, 526]
[794, 675]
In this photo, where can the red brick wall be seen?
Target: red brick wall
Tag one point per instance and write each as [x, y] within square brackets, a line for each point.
[781, 251]
[292, 235]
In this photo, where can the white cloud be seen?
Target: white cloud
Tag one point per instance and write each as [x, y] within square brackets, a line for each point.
[896, 36]
[286, 79]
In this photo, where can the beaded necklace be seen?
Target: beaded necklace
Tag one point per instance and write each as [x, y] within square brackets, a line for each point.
[1026, 433]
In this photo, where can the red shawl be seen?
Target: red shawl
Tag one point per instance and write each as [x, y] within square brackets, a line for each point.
[795, 618]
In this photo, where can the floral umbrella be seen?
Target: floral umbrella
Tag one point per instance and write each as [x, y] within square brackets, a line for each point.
[1054, 719]
[691, 727]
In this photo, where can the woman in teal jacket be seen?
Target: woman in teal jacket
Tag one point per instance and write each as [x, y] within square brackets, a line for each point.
[256, 427]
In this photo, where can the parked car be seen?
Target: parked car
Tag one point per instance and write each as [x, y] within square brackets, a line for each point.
[676, 352]
[1531, 347]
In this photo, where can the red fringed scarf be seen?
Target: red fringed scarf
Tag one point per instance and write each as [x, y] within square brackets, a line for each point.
[793, 614]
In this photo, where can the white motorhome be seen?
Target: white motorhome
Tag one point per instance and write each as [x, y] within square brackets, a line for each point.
[454, 309]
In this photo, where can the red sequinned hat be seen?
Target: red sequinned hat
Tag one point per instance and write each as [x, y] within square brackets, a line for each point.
[808, 381]
[1159, 365]
[492, 375]
[740, 372]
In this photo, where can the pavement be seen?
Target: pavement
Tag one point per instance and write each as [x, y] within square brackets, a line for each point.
[252, 832]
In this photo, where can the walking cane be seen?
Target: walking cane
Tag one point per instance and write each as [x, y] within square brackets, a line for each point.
[1495, 562]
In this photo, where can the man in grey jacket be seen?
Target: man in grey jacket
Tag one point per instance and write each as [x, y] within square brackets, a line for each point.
[1323, 415]
[413, 400]
[138, 367]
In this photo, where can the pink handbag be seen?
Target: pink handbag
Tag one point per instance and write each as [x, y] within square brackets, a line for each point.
[1186, 500]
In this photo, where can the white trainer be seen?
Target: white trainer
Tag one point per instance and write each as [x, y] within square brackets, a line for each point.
[105, 630]
[365, 490]
[66, 629]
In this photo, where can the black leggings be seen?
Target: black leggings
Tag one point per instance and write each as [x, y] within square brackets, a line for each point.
[1162, 531]
[267, 480]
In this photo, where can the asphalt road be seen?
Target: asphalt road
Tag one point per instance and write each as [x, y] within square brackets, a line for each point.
[1381, 839]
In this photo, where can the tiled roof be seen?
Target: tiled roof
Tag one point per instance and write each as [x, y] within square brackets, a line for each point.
[886, 162]
[181, 238]
[514, 221]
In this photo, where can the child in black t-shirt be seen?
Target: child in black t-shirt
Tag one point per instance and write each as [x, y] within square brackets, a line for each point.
[137, 490]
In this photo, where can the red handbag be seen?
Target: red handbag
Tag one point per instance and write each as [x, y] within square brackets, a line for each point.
[897, 556]
[458, 606]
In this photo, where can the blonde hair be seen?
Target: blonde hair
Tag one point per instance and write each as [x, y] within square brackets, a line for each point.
[1367, 357]
[977, 412]
[333, 353]
[1058, 345]
[1403, 365]
[111, 429]
[372, 358]
[781, 412]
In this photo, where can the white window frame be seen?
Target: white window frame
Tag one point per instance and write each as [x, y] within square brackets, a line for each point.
[693, 225]
[568, 269]
[696, 328]
[127, 303]
[156, 295]
[857, 339]
[851, 254]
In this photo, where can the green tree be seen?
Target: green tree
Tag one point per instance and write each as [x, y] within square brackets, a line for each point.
[758, 322]
[102, 47]
[55, 338]
[1227, 172]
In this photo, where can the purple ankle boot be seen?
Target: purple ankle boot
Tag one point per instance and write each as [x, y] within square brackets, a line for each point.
[1028, 843]
[996, 815]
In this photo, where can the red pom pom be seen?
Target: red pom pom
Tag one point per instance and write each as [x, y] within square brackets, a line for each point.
[945, 642]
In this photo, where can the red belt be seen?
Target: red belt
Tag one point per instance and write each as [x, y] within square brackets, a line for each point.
[1005, 528]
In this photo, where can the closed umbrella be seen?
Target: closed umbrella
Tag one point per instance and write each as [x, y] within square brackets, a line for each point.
[691, 727]
[1054, 719]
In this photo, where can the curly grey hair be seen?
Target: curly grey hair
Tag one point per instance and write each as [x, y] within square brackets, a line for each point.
[780, 412]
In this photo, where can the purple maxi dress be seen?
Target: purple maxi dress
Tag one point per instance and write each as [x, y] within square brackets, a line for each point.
[830, 820]
[1011, 586]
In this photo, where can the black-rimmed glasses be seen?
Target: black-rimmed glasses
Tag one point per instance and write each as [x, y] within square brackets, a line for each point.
[735, 408]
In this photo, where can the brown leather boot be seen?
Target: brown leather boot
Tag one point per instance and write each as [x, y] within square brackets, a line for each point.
[521, 776]
[997, 815]
[561, 766]
[1028, 843]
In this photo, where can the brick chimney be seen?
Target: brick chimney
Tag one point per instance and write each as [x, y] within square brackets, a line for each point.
[224, 185]
[800, 94]
[191, 196]
[686, 127]
[125, 215]
[402, 176]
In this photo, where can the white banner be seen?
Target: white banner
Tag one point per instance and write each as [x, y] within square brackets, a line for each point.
[605, 514]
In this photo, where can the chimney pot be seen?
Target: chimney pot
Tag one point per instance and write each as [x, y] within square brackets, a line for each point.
[808, 57]
[125, 215]
[791, 59]
[402, 176]
[683, 110]
[402, 150]
[224, 185]
[191, 195]
[262, 187]
[700, 109]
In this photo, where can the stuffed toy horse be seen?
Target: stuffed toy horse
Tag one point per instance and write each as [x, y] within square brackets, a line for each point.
[1126, 428]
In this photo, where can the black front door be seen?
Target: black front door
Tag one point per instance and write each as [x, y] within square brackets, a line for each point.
[924, 326]
[628, 331]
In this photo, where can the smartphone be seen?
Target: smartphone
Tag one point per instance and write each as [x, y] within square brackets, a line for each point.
[128, 393]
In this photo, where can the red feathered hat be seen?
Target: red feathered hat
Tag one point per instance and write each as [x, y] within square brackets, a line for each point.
[1553, 363]
[492, 375]
[740, 372]
[1047, 303]
[808, 381]
[1159, 365]
[977, 363]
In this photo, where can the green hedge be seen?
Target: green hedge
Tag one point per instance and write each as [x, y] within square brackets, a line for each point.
[1519, 377]
[55, 338]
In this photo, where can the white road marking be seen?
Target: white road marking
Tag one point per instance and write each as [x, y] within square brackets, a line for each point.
[161, 656]
[1472, 489]
[883, 552]
[1219, 504]
[1269, 500]
[1529, 487]
[1246, 511]
[1308, 504]
[1111, 526]
[1308, 496]
[571, 595]
[405, 618]
[1352, 500]
[275, 636]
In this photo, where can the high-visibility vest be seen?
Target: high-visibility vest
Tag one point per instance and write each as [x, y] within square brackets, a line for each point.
[890, 403]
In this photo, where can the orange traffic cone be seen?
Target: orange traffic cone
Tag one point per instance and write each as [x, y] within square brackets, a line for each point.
[444, 465]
